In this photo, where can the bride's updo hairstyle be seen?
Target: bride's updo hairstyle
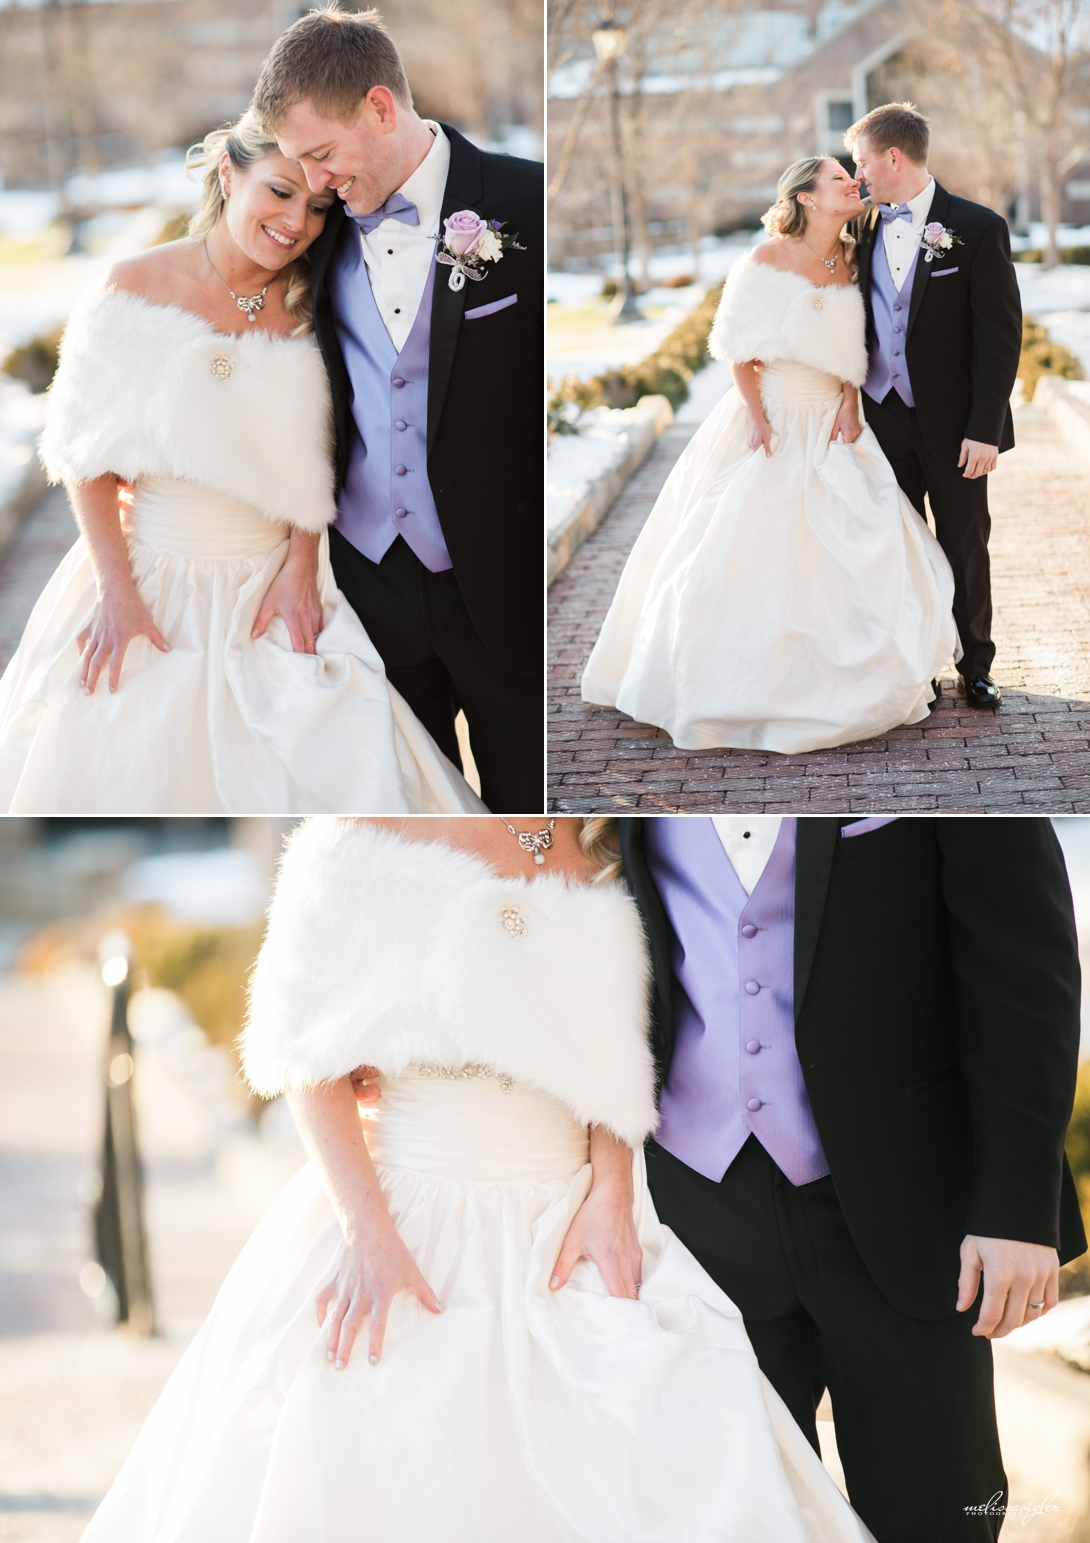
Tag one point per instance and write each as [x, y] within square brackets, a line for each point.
[246, 144]
[788, 214]
[600, 842]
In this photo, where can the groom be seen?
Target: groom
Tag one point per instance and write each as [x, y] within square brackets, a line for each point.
[944, 334]
[436, 390]
[866, 1032]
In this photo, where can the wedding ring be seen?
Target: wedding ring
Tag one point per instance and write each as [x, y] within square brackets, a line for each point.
[1035, 1304]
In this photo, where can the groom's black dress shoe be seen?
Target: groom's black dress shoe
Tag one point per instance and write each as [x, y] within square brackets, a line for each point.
[980, 690]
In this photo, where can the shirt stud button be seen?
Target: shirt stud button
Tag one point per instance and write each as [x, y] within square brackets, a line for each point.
[753, 1103]
[398, 381]
[399, 514]
[752, 988]
[397, 310]
[401, 424]
[752, 1046]
[749, 930]
[400, 470]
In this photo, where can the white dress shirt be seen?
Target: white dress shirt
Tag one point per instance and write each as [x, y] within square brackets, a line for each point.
[903, 238]
[397, 255]
[748, 840]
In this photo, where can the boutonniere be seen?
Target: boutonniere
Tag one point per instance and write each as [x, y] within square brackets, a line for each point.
[936, 240]
[470, 243]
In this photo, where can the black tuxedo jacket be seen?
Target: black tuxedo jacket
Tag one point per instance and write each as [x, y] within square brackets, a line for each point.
[937, 1025]
[964, 333]
[484, 403]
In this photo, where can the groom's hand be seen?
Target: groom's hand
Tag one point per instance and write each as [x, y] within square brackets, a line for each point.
[978, 459]
[1015, 1276]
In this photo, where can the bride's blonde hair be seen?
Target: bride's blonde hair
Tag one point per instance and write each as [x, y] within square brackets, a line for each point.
[246, 143]
[600, 841]
[788, 216]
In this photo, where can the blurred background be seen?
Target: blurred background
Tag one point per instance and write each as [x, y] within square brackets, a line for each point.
[147, 929]
[99, 100]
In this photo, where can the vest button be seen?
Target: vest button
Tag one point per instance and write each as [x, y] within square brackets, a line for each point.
[752, 1046]
[749, 930]
[399, 382]
[752, 988]
[399, 514]
[400, 471]
[753, 1103]
[401, 424]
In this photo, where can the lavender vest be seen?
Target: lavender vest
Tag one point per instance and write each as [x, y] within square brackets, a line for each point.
[889, 312]
[386, 493]
[735, 1070]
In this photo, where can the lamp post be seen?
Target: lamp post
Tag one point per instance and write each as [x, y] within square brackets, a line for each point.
[610, 43]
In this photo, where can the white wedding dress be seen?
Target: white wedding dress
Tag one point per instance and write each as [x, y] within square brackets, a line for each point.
[521, 1414]
[792, 602]
[226, 442]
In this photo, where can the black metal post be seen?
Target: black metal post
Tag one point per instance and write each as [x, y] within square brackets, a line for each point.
[120, 1234]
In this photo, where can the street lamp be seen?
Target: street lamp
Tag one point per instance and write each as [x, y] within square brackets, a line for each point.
[610, 43]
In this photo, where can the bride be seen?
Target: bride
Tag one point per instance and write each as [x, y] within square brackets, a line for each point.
[783, 594]
[462, 1321]
[192, 654]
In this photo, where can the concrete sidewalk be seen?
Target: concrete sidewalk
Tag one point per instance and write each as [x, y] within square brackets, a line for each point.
[1034, 755]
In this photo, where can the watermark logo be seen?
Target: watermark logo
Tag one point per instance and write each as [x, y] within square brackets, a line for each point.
[1023, 1513]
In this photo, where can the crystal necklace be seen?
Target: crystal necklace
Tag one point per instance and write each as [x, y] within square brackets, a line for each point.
[830, 262]
[248, 304]
[536, 841]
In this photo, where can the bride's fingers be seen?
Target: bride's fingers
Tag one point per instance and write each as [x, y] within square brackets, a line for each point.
[322, 1301]
[264, 617]
[426, 1296]
[152, 633]
[117, 659]
[565, 1264]
[350, 1327]
[334, 1320]
[376, 1328]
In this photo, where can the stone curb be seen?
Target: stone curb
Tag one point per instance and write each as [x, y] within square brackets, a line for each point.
[650, 416]
[1068, 412]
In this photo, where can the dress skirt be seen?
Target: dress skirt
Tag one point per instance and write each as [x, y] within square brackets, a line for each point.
[789, 602]
[519, 1415]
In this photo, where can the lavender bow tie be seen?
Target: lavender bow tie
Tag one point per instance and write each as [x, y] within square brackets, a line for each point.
[396, 207]
[901, 213]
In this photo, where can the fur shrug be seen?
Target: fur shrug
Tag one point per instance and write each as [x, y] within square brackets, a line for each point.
[135, 394]
[391, 952]
[768, 314]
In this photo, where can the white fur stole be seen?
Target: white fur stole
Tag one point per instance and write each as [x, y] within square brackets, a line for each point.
[149, 390]
[394, 952]
[768, 314]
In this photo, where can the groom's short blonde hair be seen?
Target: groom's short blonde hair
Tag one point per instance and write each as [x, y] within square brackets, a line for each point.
[896, 126]
[331, 59]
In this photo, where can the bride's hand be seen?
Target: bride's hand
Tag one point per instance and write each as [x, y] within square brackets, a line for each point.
[759, 433]
[603, 1229]
[847, 423]
[363, 1084]
[366, 1277]
[293, 595]
[119, 616]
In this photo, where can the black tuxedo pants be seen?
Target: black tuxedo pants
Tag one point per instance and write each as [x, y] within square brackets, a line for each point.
[433, 655]
[912, 1400]
[962, 522]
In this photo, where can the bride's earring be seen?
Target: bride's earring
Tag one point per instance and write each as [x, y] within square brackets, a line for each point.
[223, 190]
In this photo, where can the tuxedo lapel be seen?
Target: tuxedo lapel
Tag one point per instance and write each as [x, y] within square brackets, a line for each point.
[633, 839]
[871, 223]
[321, 255]
[464, 190]
[940, 208]
[815, 844]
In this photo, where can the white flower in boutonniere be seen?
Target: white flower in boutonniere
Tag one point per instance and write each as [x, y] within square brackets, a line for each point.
[469, 243]
[937, 240]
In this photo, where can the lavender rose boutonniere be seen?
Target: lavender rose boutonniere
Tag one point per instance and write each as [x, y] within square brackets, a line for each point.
[937, 240]
[470, 243]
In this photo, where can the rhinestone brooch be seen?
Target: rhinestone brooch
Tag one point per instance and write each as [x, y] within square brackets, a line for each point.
[222, 368]
[818, 303]
[513, 921]
[467, 1073]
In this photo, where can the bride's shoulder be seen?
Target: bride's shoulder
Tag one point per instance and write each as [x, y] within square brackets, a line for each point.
[156, 275]
[775, 253]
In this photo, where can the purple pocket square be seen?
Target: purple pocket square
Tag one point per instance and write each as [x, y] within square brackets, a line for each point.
[942, 273]
[487, 310]
[861, 827]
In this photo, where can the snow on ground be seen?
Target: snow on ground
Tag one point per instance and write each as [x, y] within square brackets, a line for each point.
[576, 461]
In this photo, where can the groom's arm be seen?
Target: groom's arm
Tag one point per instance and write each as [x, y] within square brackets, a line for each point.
[1015, 959]
[997, 334]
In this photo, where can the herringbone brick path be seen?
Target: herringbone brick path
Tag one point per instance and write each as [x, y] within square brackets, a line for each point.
[1032, 756]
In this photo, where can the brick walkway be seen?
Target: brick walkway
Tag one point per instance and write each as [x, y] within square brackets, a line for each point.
[46, 534]
[1034, 755]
